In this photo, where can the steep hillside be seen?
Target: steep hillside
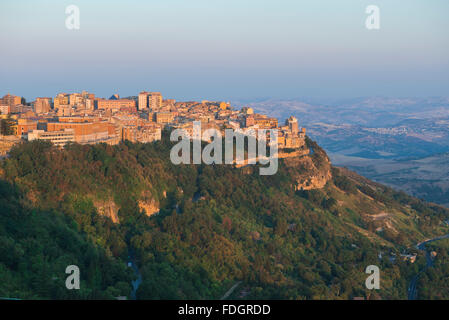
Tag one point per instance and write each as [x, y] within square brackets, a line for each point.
[38, 244]
[307, 232]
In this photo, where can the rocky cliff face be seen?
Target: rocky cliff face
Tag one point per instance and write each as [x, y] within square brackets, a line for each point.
[312, 171]
[149, 206]
[107, 208]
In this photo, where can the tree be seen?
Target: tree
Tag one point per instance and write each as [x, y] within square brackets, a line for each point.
[6, 126]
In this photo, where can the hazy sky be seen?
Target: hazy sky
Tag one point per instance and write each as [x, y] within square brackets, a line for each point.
[225, 49]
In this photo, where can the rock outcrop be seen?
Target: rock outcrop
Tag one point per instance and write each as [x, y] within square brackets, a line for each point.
[107, 208]
[148, 204]
[311, 171]
[150, 207]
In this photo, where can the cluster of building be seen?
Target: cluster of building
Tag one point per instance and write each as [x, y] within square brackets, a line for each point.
[87, 119]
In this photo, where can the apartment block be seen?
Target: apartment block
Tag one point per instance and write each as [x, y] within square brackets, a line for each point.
[10, 100]
[24, 126]
[42, 105]
[61, 99]
[155, 100]
[143, 100]
[115, 104]
[89, 104]
[64, 110]
[164, 117]
[5, 109]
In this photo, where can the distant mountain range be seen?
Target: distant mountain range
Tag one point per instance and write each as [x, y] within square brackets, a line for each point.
[393, 141]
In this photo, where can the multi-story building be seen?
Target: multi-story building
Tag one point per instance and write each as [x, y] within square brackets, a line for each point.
[142, 134]
[115, 104]
[88, 95]
[293, 141]
[24, 126]
[164, 117]
[249, 121]
[5, 109]
[83, 132]
[87, 131]
[58, 138]
[75, 98]
[42, 105]
[265, 122]
[61, 99]
[143, 100]
[169, 103]
[89, 104]
[64, 110]
[11, 100]
[154, 100]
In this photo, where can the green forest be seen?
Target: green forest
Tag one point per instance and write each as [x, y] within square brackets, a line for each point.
[216, 225]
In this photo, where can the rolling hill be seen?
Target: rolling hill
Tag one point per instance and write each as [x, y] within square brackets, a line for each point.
[194, 231]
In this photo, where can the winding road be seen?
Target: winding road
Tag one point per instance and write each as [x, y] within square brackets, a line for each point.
[230, 291]
[136, 283]
[412, 291]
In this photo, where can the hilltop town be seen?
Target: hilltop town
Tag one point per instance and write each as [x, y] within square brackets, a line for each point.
[86, 119]
[105, 191]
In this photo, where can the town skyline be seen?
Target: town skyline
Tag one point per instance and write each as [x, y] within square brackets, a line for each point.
[84, 118]
[305, 98]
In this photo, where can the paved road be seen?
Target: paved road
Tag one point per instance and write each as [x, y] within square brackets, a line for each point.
[230, 291]
[136, 283]
[412, 292]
